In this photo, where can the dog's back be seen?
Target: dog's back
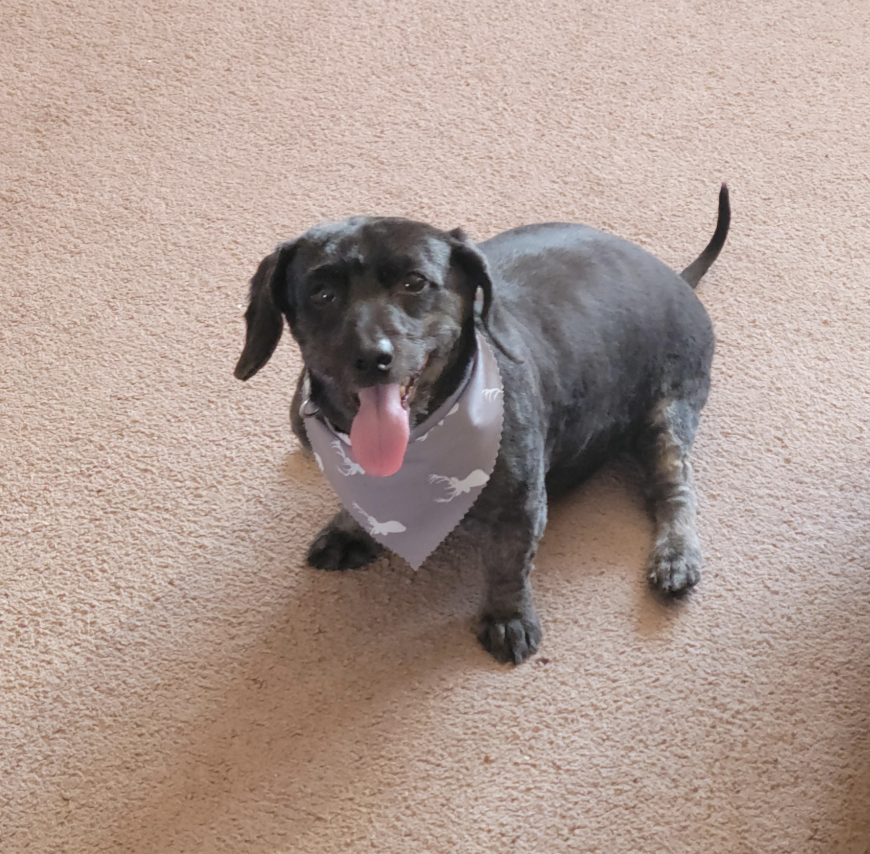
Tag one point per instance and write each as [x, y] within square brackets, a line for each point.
[603, 329]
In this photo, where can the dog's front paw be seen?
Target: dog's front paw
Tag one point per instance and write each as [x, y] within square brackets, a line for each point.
[510, 640]
[674, 567]
[338, 549]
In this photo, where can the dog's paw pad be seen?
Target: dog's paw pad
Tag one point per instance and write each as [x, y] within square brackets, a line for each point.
[337, 550]
[510, 641]
[674, 571]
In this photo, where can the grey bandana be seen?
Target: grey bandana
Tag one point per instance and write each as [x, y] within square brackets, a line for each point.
[449, 459]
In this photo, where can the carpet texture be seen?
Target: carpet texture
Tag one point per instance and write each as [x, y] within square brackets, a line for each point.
[175, 680]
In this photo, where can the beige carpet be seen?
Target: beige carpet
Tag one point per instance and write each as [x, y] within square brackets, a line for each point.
[175, 680]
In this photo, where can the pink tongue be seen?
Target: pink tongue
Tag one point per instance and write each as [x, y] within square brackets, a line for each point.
[379, 433]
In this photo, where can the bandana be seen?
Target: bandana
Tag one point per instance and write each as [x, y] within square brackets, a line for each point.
[449, 459]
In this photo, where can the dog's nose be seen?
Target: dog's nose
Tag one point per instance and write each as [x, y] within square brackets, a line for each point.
[378, 357]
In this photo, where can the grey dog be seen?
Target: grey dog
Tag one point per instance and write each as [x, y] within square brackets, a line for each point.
[602, 349]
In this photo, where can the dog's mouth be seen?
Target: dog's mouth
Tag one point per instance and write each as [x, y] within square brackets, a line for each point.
[381, 428]
[408, 389]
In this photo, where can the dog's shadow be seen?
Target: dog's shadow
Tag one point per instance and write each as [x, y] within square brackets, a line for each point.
[593, 555]
[599, 530]
[335, 665]
[595, 551]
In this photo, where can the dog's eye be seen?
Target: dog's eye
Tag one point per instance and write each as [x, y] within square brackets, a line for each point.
[322, 297]
[413, 283]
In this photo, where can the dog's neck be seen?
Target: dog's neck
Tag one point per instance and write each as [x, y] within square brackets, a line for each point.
[452, 375]
[444, 386]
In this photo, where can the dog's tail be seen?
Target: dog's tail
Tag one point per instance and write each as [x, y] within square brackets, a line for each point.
[693, 273]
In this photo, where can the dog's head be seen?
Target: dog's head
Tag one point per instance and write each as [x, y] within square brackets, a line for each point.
[383, 312]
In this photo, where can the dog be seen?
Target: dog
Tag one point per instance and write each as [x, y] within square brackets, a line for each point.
[601, 348]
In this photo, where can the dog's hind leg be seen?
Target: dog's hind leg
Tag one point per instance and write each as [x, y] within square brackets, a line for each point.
[674, 564]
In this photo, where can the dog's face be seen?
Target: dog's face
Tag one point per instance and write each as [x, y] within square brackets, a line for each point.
[380, 308]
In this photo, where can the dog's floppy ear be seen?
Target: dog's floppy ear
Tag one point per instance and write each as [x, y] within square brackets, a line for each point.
[263, 319]
[473, 263]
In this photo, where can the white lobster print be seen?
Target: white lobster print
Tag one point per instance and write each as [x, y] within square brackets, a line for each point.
[348, 466]
[455, 486]
[381, 528]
